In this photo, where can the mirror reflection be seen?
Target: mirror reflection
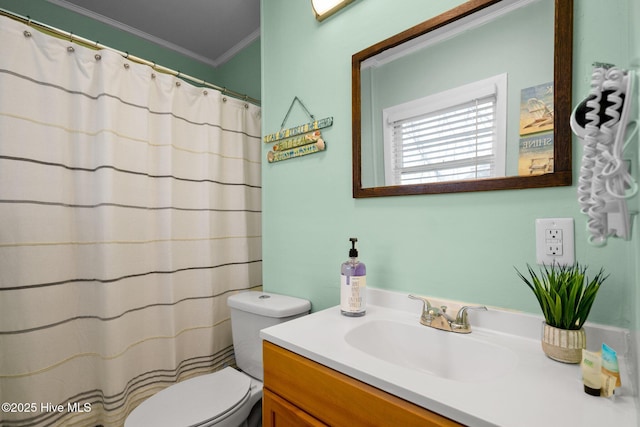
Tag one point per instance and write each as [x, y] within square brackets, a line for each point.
[465, 106]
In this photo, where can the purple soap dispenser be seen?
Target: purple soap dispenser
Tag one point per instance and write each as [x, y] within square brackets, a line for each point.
[353, 284]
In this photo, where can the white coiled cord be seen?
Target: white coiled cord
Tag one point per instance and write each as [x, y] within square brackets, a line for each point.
[604, 182]
[588, 204]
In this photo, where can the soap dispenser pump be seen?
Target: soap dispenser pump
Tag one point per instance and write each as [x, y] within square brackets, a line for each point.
[353, 284]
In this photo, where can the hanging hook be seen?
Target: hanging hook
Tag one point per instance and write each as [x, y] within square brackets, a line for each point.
[25, 32]
[291, 107]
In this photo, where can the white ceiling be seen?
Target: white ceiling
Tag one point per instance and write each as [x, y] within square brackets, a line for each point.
[210, 31]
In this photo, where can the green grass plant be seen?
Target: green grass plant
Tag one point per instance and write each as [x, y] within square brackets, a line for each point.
[564, 292]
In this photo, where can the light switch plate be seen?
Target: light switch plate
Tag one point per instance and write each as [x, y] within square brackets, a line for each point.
[555, 241]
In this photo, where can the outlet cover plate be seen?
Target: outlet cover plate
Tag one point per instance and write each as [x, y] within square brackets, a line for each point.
[555, 241]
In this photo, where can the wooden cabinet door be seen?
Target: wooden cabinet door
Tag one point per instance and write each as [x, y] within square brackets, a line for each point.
[277, 412]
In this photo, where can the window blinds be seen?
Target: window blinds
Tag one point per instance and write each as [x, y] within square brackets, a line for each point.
[453, 143]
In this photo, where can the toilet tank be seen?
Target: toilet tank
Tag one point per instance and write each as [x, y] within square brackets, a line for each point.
[252, 311]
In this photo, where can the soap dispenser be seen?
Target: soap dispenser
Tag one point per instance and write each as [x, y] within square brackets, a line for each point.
[353, 284]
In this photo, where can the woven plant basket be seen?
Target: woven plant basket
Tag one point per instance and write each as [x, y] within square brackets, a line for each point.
[563, 345]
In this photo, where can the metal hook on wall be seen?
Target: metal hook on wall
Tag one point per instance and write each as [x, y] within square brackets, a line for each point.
[291, 108]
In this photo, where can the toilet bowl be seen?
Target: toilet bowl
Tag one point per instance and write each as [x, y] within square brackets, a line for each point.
[229, 397]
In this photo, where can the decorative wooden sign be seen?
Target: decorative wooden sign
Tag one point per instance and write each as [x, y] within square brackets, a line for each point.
[308, 127]
[297, 141]
[277, 156]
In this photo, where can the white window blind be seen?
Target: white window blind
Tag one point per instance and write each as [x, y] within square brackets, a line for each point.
[450, 136]
[451, 144]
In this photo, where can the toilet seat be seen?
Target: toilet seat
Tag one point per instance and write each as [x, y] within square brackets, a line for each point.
[197, 402]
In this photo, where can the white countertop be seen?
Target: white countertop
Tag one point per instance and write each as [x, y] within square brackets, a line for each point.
[537, 392]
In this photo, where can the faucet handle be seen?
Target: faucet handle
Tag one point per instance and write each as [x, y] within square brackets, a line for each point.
[442, 311]
[461, 323]
[426, 316]
[427, 304]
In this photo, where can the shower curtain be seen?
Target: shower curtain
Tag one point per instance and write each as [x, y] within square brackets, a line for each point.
[130, 205]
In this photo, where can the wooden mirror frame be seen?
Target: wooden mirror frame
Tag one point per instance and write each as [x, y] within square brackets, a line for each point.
[562, 76]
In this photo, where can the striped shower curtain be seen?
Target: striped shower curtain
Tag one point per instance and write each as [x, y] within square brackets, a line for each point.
[130, 205]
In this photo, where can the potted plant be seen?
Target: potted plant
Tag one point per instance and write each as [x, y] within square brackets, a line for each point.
[565, 295]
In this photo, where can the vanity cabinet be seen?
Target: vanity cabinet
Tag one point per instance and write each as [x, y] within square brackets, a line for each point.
[301, 392]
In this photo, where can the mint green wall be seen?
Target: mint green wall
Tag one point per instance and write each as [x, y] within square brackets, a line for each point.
[242, 71]
[456, 246]
[239, 80]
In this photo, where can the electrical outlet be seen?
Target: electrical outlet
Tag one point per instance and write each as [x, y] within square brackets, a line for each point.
[555, 241]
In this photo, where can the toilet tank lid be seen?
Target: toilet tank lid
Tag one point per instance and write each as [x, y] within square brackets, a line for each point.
[268, 304]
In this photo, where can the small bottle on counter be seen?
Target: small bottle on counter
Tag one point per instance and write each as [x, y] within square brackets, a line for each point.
[353, 284]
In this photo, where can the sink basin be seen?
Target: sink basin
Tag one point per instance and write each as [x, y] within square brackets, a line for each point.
[444, 354]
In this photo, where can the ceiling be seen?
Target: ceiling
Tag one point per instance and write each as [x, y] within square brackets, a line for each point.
[210, 31]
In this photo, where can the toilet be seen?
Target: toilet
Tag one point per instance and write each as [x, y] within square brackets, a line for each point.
[229, 397]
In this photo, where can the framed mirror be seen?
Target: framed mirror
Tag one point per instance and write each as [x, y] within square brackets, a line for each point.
[477, 45]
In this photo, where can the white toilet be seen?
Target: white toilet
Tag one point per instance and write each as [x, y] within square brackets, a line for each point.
[226, 398]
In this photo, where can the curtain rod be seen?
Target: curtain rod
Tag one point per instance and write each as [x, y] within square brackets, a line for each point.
[95, 45]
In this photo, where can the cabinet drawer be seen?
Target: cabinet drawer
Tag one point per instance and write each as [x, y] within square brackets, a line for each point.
[337, 399]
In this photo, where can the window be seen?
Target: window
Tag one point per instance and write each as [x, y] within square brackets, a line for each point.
[453, 135]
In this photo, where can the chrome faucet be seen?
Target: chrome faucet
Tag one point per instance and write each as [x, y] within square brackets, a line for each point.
[438, 318]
